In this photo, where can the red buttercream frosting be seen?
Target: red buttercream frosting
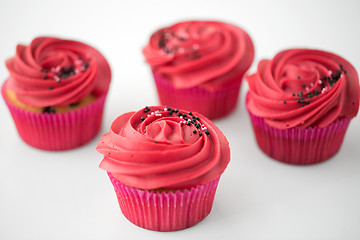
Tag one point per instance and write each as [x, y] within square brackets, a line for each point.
[303, 88]
[57, 72]
[155, 148]
[200, 53]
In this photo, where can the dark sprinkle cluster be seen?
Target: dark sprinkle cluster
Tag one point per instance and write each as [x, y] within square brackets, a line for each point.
[61, 72]
[303, 98]
[147, 109]
[49, 110]
[191, 53]
[57, 73]
[188, 119]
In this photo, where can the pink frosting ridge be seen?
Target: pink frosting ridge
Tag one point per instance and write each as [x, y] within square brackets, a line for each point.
[56, 72]
[303, 88]
[156, 148]
[200, 53]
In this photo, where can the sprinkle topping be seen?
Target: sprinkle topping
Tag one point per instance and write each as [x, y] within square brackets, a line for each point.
[324, 83]
[186, 120]
[49, 110]
[169, 40]
[62, 72]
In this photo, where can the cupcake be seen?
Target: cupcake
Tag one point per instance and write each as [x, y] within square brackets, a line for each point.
[199, 65]
[301, 103]
[165, 165]
[56, 92]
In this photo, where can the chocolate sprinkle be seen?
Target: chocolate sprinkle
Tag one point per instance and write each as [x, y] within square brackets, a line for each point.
[49, 110]
[162, 43]
[62, 72]
[186, 119]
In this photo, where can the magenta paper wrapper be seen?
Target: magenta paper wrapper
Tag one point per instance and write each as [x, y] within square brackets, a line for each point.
[213, 105]
[299, 146]
[55, 132]
[165, 210]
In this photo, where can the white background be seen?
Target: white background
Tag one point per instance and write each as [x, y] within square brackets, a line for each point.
[64, 195]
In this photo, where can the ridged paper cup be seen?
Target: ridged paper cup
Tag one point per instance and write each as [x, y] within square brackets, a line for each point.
[165, 210]
[213, 105]
[55, 132]
[299, 146]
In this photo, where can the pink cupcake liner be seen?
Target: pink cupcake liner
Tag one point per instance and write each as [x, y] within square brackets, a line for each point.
[213, 105]
[299, 146]
[165, 210]
[55, 132]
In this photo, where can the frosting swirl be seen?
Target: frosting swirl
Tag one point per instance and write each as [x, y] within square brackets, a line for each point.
[56, 72]
[303, 88]
[210, 54]
[161, 147]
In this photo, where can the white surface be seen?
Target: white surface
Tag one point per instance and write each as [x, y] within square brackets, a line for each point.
[64, 195]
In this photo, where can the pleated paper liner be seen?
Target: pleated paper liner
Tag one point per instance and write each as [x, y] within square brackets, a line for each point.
[165, 210]
[213, 105]
[299, 146]
[55, 132]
